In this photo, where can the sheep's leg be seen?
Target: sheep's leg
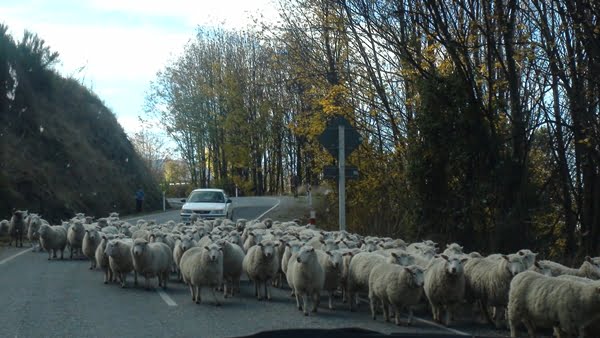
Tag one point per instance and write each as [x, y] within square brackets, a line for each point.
[62, 253]
[217, 303]
[256, 289]
[385, 308]
[499, 311]
[331, 307]
[123, 279]
[316, 301]
[298, 301]
[71, 257]
[410, 315]
[226, 289]
[397, 314]
[165, 279]
[350, 301]
[135, 278]
[372, 303]
[305, 303]
[344, 297]
[267, 291]
[50, 254]
[192, 291]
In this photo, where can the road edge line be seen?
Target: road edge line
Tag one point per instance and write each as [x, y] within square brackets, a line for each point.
[434, 324]
[166, 298]
[8, 259]
[268, 211]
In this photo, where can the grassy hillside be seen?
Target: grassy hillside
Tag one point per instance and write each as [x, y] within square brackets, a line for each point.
[61, 150]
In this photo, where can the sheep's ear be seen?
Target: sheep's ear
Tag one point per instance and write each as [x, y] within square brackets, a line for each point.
[535, 254]
[322, 241]
[329, 253]
[444, 257]
[521, 253]
[537, 265]
[260, 244]
[276, 244]
[288, 245]
[409, 270]
[338, 241]
[206, 247]
[506, 257]
[589, 259]
[464, 260]
[394, 254]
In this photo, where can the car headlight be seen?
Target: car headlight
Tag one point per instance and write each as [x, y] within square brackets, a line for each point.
[217, 211]
[186, 211]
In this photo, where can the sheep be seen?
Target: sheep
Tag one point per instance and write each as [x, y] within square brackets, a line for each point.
[331, 262]
[4, 224]
[152, 259]
[90, 242]
[444, 286]
[540, 301]
[359, 270]
[145, 234]
[16, 228]
[254, 237]
[34, 222]
[181, 246]
[120, 260]
[453, 249]
[102, 259]
[75, 236]
[347, 255]
[261, 265]
[291, 247]
[589, 269]
[233, 258]
[306, 277]
[53, 238]
[488, 281]
[202, 266]
[395, 285]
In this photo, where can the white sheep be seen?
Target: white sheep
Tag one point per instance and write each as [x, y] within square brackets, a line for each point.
[120, 260]
[75, 236]
[53, 238]
[488, 281]
[589, 269]
[331, 262]
[540, 301]
[233, 258]
[203, 266]
[90, 243]
[261, 265]
[306, 278]
[152, 259]
[453, 249]
[395, 285]
[34, 222]
[444, 286]
[181, 246]
[359, 270]
[102, 259]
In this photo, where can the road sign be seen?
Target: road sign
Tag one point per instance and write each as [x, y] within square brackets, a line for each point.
[332, 172]
[330, 137]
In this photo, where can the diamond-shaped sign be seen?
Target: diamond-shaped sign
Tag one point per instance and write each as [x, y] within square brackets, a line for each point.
[332, 171]
[330, 136]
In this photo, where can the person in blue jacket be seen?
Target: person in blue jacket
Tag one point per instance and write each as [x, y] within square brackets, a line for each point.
[139, 200]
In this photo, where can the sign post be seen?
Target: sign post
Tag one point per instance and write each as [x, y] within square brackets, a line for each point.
[340, 139]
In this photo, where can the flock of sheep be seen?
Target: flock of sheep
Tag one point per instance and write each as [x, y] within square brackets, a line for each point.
[395, 275]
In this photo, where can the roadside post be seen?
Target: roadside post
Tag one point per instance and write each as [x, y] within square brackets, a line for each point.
[340, 139]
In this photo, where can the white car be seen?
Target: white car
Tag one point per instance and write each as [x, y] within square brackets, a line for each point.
[206, 204]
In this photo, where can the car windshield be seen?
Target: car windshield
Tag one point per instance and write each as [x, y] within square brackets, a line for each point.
[206, 196]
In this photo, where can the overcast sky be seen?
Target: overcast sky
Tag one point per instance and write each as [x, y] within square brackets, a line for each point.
[117, 46]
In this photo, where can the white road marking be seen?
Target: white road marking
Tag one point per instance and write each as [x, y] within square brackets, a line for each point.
[5, 260]
[428, 322]
[266, 212]
[166, 298]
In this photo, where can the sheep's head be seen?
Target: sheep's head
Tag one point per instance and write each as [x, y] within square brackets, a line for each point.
[402, 258]
[185, 243]
[528, 257]
[336, 259]
[417, 275]
[268, 248]
[44, 229]
[214, 251]
[139, 246]
[515, 264]
[454, 265]
[305, 254]
[330, 245]
[539, 268]
[428, 252]
[91, 234]
[111, 248]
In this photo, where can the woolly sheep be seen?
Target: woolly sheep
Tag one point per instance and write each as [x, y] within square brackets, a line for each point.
[359, 270]
[4, 224]
[34, 222]
[261, 265]
[444, 286]
[203, 266]
[16, 228]
[306, 278]
[233, 258]
[290, 248]
[181, 246]
[588, 269]
[539, 301]
[102, 259]
[152, 259]
[331, 262]
[75, 237]
[90, 243]
[53, 238]
[488, 281]
[254, 238]
[395, 285]
[453, 249]
[120, 260]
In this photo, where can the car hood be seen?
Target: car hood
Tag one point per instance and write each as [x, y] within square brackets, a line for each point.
[204, 206]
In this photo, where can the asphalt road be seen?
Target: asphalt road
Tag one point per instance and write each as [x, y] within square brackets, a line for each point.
[39, 298]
